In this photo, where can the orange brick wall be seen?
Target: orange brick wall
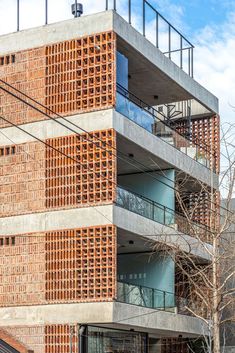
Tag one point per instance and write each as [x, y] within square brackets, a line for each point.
[68, 77]
[46, 338]
[77, 265]
[91, 180]
[206, 134]
[81, 74]
[81, 265]
[35, 178]
[22, 270]
[22, 179]
[33, 337]
[27, 74]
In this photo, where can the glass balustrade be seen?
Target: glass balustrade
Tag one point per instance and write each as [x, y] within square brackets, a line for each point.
[136, 294]
[153, 121]
[157, 212]
[144, 207]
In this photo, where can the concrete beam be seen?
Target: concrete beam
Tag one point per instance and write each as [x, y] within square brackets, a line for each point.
[105, 119]
[111, 314]
[56, 220]
[164, 64]
[155, 232]
[100, 215]
[173, 157]
[56, 32]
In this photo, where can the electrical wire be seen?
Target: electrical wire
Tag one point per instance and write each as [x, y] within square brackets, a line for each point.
[76, 132]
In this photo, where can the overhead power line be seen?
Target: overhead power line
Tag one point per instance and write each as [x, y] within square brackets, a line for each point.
[142, 168]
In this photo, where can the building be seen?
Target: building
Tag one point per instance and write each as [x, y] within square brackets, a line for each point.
[84, 200]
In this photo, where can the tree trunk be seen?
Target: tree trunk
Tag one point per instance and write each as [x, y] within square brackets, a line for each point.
[216, 296]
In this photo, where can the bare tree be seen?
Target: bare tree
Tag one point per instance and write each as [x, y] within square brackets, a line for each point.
[207, 282]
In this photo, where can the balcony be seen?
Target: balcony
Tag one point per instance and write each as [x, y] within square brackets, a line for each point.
[150, 298]
[150, 209]
[153, 121]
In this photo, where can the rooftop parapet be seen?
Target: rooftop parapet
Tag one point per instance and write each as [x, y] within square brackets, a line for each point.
[142, 15]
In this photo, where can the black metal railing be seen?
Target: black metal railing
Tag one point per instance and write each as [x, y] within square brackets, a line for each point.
[153, 210]
[164, 36]
[136, 294]
[156, 122]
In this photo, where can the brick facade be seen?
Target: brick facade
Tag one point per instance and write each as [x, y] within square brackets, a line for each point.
[22, 179]
[206, 135]
[90, 180]
[35, 178]
[26, 73]
[43, 338]
[68, 77]
[77, 265]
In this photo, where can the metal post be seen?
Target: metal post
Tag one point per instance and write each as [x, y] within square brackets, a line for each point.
[153, 298]
[76, 8]
[107, 5]
[169, 41]
[164, 215]
[82, 339]
[192, 62]
[46, 12]
[115, 5]
[157, 30]
[18, 15]
[181, 52]
[129, 5]
[144, 18]
[189, 61]
[164, 300]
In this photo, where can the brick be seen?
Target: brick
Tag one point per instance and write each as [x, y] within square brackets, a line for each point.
[91, 180]
[76, 265]
[44, 338]
[68, 77]
[22, 179]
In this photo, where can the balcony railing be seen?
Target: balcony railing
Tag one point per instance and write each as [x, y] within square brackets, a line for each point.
[156, 212]
[153, 121]
[136, 294]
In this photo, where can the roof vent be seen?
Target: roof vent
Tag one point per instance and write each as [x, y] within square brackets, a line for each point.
[77, 9]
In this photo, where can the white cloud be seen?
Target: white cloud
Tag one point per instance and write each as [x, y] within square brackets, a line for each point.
[215, 65]
[32, 12]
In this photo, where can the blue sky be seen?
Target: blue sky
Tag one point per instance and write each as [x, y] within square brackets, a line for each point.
[197, 14]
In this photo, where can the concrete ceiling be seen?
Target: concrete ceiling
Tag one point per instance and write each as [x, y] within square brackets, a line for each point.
[147, 161]
[132, 243]
[147, 81]
[144, 161]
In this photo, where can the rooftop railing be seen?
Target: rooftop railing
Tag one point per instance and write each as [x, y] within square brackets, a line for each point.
[157, 29]
[143, 16]
[153, 210]
[155, 122]
[136, 294]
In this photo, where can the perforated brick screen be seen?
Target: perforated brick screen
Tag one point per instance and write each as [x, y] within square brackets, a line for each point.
[81, 264]
[80, 74]
[206, 134]
[46, 338]
[88, 177]
[68, 77]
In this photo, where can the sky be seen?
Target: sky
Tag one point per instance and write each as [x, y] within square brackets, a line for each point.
[208, 24]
